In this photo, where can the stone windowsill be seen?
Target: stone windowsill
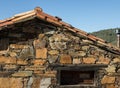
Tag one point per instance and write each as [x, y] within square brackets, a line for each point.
[77, 86]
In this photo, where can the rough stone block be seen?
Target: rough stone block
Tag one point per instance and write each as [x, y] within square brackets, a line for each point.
[108, 80]
[16, 46]
[11, 83]
[111, 69]
[16, 83]
[77, 53]
[38, 72]
[12, 54]
[22, 74]
[30, 81]
[34, 68]
[41, 53]
[50, 74]
[103, 60]
[65, 59]
[39, 62]
[39, 43]
[11, 60]
[21, 62]
[110, 86]
[61, 45]
[76, 61]
[116, 60]
[53, 52]
[41, 36]
[10, 67]
[85, 48]
[7, 60]
[26, 53]
[36, 82]
[5, 73]
[4, 83]
[45, 82]
[52, 59]
[89, 60]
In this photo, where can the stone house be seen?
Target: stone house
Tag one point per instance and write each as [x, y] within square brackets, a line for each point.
[38, 50]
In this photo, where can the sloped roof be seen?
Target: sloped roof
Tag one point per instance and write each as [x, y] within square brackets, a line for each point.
[38, 12]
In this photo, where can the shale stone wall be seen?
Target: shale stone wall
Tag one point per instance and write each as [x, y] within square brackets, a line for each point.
[25, 64]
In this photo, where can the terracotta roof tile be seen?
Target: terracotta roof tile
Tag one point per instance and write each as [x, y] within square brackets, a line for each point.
[38, 12]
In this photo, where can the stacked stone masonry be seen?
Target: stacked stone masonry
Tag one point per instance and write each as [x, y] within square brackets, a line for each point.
[34, 45]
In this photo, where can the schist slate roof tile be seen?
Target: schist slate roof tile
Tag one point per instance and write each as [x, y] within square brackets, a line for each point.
[38, 12]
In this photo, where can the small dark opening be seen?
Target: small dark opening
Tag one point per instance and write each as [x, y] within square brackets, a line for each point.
[4, 43]
[76, 77]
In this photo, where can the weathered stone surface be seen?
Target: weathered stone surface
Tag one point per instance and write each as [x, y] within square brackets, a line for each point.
[52, 45]
[103, 60]
[50, 74]
[116, 60]
[16, 83]
[85, 48]
[76, 61]
[111, 69]
[21, 62]
[11, 60]
[30, 81]
[41, 53]
[37, 72]
[45, 82]
[77, 53]
[16, 46]
[82, 53]
[65, 59]
[25, 80]
[26, 53]
[52, 59]
[39, 43]
[7, 60]
[59, 37]
[110, 86]
[4, 53]
[77, 47]
[33, 68]
[36, 82]
[87, 41]
[60, 45]
[10, 67]
[22, 74]
[11, 83]
[118, 70]
[41, 36]
[53, 52]
[108, 80]
[51, 39]
[89, 60]
[5, 73]
[12, 54]
[39, 62]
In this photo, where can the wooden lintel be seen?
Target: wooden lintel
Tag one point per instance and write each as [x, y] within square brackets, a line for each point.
[78, 67]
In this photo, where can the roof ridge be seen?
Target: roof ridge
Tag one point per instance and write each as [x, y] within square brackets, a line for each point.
[38, 12]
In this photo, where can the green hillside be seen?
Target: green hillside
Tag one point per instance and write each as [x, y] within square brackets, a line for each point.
[108, 34]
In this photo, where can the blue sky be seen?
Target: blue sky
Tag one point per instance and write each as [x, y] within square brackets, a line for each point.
[87, 15]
